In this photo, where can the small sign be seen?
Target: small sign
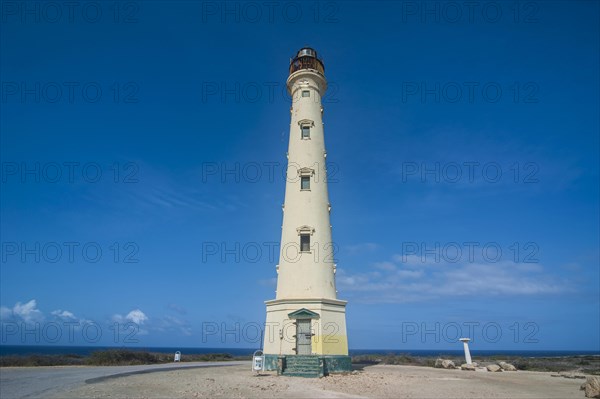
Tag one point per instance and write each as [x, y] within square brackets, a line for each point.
[177, 356]
[258, 361]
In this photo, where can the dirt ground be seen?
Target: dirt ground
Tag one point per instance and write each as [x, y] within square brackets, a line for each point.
[381, 381]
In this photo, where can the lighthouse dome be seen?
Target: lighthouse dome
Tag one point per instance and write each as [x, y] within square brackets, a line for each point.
[307, 51]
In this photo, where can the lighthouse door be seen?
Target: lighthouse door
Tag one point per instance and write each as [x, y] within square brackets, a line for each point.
[303, 337]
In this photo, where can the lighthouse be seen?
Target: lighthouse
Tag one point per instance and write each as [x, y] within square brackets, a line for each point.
[306, 322]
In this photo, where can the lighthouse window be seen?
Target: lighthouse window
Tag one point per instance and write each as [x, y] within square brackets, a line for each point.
[306, 132]
[304, 242]
[305, 93]
[305, 182]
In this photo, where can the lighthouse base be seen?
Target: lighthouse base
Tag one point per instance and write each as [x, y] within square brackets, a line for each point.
[306, 327]
[308, 366]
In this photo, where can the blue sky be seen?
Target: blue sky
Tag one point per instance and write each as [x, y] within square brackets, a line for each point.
[142, 148]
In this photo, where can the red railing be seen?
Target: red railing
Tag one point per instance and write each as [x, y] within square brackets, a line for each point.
[307, 62]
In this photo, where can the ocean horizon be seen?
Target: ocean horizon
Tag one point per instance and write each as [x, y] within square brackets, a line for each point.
[26, 350]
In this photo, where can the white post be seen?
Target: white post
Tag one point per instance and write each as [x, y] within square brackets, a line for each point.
[465, 342]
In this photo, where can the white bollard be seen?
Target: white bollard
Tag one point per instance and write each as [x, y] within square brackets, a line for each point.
[465, 342]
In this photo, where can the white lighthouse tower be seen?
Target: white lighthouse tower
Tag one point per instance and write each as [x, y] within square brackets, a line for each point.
[306, 318]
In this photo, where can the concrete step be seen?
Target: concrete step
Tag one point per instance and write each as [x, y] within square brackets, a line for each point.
[303, 369]
[303, 366]
[302, 360]
[303, 363]
[305, 374]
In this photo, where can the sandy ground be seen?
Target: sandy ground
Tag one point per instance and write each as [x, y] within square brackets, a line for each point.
[381, 381]
[44, 382]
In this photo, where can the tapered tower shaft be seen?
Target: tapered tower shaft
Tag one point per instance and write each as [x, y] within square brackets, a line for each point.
[306, 267]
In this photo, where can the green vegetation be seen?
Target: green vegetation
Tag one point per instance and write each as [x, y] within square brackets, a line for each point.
[124, 357]
[402, 359]
[584, 364]
[41, 360]
[119, 357]
[113, 357]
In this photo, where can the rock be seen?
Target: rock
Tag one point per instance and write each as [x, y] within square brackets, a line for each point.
[448, 364]
[507, 366]
[475, 364]
[444, 364]
[592, 387]
[493, 368]
[571, 375]
[468, 367]
[582, 387]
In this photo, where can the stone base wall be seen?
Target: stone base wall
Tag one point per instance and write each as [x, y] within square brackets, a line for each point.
[337, 364]
[332, 363]
[271, 362]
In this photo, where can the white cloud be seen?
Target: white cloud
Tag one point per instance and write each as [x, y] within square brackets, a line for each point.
[182, 325]
[409, 260]
[137, 316]
[64, 314]
[502, 278]
[385, 266]
[27, 312]
[172, 325]
[397, 283]
[5, 313]
[410, 273]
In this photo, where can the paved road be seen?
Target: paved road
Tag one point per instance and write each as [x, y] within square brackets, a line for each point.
[39, 382]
